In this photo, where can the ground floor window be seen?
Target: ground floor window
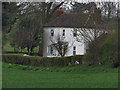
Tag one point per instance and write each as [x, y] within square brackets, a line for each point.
[51, 51]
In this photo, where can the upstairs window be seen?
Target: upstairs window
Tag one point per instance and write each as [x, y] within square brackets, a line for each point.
[63, 32]
[74, 50]
[52, 32]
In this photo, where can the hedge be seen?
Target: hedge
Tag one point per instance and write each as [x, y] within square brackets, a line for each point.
[40, 61]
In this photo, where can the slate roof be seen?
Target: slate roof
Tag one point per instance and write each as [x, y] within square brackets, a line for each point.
[71, 20]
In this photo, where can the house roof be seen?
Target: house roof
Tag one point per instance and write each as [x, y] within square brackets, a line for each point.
[71, 20]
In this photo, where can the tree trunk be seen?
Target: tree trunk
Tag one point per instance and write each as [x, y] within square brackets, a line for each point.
[40, 50]
[28, 50]
[31, 50]
[40, 53]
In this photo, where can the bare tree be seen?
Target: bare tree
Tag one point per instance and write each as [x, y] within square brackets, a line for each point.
[87, 35]
[61, 45]
[109, 9]
[92, 37]
[91, 32]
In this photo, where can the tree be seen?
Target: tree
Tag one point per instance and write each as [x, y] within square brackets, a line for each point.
[9, 15]
[26, 33]
[96, 27]
[61, 45]
[93, 35]
[109, 9]
[42, 9]
[82, 7]
[11, 11]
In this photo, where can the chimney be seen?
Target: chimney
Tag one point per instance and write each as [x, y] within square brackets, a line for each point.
[59, 12]
[97, 15]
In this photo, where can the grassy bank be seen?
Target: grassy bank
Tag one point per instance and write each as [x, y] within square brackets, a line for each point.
[14, 76]
[9, 48]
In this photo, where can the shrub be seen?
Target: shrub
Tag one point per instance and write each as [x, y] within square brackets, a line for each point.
[104, 51]
[40, 61]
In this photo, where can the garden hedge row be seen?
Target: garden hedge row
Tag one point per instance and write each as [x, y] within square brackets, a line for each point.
[40, 61]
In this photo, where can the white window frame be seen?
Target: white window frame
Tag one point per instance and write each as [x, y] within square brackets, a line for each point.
[49, 51]
[63, 34]
[74, 33]
[74, 50]
[52, 32]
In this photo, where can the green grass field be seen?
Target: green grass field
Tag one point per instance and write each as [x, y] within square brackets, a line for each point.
[8, 48]
[18, 76]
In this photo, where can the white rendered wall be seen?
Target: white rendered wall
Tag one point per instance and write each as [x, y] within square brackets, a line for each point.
[80, 47]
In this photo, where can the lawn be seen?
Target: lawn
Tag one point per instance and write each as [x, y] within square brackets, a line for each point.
[14, 76]
[8, 48]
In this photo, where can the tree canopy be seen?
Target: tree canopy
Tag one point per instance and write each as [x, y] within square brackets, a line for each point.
[26, 33]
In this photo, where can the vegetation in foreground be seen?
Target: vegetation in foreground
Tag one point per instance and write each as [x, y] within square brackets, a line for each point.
[20, 76]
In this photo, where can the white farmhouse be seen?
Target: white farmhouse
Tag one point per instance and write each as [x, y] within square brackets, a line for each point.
[64, 26]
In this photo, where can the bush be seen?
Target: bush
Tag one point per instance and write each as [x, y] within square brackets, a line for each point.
[104, 52]
[40, 61]
[110, 50]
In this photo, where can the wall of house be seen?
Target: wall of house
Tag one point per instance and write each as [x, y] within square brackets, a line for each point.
[47, 38]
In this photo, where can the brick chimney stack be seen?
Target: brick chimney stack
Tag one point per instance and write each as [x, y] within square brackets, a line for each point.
[59, 12]
[97, 15]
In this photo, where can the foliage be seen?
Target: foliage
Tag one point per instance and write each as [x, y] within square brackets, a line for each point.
[110, 50]
[9, 49]
[94, 51]
[9, 15]
[14, 11]
[26, 33]
[105, 52]
[40, 61]
[101, 50]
